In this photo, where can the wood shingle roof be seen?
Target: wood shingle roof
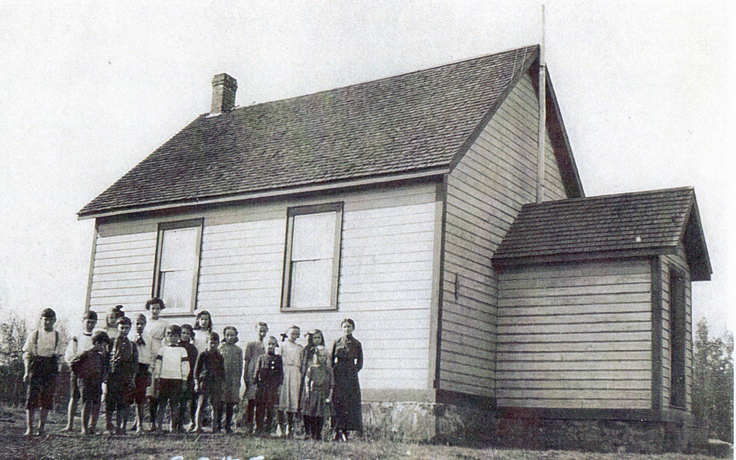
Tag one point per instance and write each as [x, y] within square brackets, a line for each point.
[411, 123]
[652, 222]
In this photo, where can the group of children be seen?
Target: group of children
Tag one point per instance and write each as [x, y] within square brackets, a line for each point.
[188, 368]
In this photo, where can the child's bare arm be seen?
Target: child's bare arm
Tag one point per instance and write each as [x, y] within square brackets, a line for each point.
[26, 365]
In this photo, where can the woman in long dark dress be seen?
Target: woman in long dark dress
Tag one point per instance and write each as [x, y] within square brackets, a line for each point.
[347, 361]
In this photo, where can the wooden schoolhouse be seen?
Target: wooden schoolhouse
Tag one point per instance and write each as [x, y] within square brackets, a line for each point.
[480, 277]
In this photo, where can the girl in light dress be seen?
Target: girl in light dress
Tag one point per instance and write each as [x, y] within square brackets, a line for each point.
[156, 329]
[156, 326]
[291, 354]
[202, 330]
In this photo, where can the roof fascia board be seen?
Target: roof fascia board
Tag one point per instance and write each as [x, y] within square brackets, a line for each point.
[692, 221]
[533, 57]
[272, 193]
[688, 215]
[561, 143]
[581, 257]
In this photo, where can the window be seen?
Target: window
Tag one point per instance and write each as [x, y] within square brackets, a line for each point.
[312, 258]
[177, 265]
[678, 334]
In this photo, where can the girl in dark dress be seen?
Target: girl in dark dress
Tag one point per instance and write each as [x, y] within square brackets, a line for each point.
[315, 338]
[347, 361]
[316, 398]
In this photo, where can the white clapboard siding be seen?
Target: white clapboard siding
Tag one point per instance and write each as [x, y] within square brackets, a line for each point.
[385, 283]
[567, 384]
[485, 193]
[579, 403]
[535, 348]
[526, 377]
[563, 326]
[678, 260]
[122, 270]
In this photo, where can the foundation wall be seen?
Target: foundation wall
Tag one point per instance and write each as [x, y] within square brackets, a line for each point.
[428, 422]
[454, 424]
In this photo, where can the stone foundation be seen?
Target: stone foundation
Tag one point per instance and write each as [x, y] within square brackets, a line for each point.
[585, 435]
[453, 424]
[428, 422]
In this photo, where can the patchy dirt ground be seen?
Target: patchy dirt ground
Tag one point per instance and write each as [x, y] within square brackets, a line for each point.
[57, 445]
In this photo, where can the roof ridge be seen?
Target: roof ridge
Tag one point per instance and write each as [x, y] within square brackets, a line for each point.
[533, 48]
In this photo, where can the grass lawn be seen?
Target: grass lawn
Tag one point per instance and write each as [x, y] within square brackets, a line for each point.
[56, 445]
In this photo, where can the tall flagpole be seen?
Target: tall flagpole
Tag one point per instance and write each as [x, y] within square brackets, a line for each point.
[541, 131]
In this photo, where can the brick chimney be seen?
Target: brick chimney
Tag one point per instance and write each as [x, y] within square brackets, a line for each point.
[223, 93]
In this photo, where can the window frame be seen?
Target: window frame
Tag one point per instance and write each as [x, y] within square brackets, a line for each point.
[198, 225]
[286, 287]
[678, 338]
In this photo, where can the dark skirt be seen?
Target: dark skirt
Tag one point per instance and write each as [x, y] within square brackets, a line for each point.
[346, 398]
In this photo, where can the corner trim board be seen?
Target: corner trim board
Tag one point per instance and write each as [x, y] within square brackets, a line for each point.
[656, 274]
[95, 236]
[440, 231]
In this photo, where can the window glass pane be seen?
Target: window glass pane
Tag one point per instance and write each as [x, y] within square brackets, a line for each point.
[313, 236]
[178, 249]
[176, 289]
[177, 266]
[311, 284]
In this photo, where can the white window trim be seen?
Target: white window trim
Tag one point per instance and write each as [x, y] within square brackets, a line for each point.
[156, 290]
[287, 272]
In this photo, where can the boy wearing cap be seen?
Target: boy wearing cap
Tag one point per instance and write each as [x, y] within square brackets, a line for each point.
[41, 354]
[90, 367]
[121, 379]
[77, 345]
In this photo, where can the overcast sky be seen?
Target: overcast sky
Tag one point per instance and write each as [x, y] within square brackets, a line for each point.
[91, 88]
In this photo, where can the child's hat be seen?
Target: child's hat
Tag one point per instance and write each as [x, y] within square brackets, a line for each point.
[100, 336]
[48, 313]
